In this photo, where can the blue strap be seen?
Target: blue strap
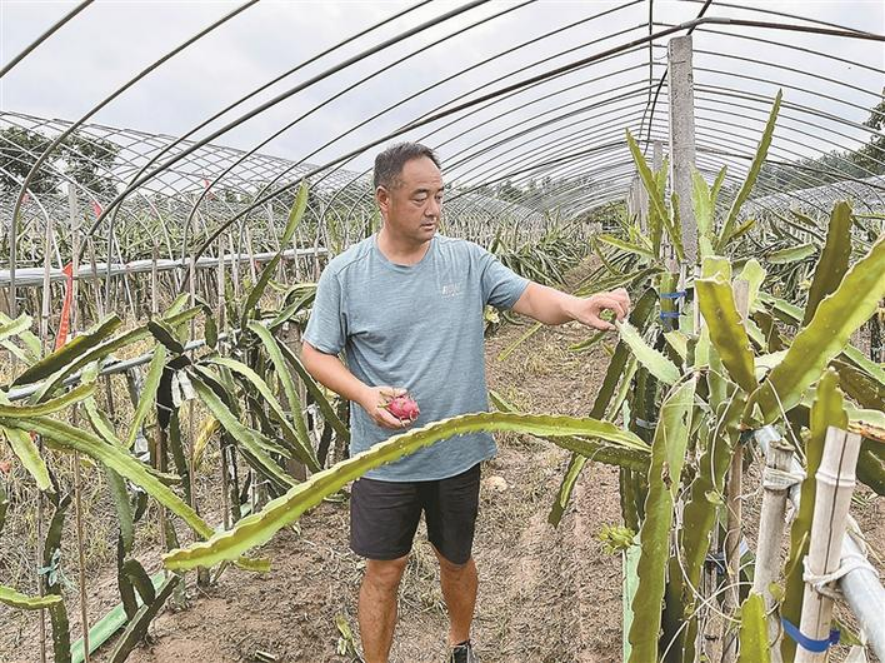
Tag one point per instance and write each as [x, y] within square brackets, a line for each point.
[673, 295]
[669, 315]
[809, 644]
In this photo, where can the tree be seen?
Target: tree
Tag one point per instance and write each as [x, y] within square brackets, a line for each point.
[89, 161]
[19, 150]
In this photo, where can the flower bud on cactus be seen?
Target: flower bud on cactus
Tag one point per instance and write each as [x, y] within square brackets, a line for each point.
[403, 408]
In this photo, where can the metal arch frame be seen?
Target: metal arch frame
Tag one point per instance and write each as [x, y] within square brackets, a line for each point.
[64, 177]
[557, 71]
[89, 193]
[461, 96]
[9, 66]
[811, 180]
[830, 80]
[453, 111]
[341, 93]
[12, 299]
[745, 142]
[265, 86]
[625, 86]
[500, 155]
[484, 122]
[756, 10]
[272, 102]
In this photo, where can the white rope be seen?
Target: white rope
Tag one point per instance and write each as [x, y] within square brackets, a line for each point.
[774, 479]
[825, 584]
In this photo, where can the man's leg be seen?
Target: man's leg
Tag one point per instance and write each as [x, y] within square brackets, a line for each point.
[377, 609]
[451, 506]
[383, 518]
[459, 583]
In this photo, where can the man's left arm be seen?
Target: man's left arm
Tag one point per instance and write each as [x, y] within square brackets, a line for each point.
[552, 307]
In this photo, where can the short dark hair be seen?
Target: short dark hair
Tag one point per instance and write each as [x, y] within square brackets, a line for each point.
[389, 163]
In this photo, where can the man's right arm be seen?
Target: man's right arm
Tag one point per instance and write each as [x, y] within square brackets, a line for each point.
[329, 371]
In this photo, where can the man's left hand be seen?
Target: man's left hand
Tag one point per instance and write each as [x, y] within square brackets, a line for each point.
[589, 310]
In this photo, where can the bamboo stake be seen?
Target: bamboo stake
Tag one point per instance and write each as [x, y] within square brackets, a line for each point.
[253, 270]
[734, 509]
[78, 481]
[235, 267]
[44, 333]
[99, 304]
[159, 441]
[771, 529]
[220, 315]
[296, 241]
[202, 573]
[835, 485]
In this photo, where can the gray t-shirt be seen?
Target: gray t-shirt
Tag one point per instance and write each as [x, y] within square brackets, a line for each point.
[419, 327]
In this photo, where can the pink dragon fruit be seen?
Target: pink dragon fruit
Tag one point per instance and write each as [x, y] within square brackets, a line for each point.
[403, 408]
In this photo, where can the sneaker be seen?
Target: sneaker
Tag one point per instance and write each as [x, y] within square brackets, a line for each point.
[463, 653]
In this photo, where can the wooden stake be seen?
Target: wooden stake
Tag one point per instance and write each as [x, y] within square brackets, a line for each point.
[835, 485]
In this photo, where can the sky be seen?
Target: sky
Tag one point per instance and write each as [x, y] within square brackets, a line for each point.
[112, 40]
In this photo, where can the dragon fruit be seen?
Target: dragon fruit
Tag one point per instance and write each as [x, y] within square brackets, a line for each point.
[403, 408]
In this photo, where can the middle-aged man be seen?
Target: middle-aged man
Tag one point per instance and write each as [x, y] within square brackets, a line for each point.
[406, 307]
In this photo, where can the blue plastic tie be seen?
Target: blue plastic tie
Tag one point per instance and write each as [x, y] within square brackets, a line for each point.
[673, 295]
[669, 315]
[809, 644]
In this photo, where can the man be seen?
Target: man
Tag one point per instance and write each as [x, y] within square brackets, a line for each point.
[407, 307]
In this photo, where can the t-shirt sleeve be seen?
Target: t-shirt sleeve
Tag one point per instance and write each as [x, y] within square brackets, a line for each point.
[501, 286]
[327, 328]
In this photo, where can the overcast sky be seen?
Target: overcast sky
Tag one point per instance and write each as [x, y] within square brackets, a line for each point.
[112, 40]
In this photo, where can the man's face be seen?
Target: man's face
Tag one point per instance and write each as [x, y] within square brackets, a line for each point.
[412, 209]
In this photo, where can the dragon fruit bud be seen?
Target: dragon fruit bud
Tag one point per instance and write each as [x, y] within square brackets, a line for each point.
[403, 408]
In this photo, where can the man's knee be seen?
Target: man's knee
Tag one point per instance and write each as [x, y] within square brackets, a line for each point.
[386, 574]
[452, 568]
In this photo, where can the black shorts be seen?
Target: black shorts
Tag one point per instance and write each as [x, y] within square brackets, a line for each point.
[384, 516]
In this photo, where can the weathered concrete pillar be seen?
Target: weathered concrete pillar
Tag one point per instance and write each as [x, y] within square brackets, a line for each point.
[682, 145]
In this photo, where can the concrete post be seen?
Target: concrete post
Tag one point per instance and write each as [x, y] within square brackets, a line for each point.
[682, 145]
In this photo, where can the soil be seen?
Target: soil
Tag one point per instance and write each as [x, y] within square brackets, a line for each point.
[551, 595]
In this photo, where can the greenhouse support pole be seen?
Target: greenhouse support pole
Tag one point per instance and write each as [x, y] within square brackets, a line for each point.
[776, 483]
[835, 485]
[682, 144]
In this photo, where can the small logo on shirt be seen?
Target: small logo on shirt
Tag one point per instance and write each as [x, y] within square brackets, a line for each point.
[452, 290]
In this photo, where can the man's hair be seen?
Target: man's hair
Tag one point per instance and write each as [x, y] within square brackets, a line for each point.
[389, 163]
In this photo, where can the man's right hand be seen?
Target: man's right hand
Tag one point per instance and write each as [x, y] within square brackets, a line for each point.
[373, 401]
